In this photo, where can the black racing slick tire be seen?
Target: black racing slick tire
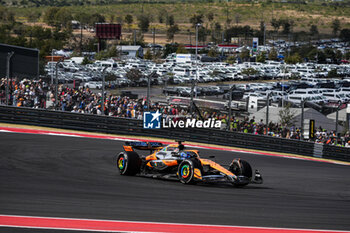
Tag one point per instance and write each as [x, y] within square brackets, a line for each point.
[128, 163]
[241, 168]
[185, 171]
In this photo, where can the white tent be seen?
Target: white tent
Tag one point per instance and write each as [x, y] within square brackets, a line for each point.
[309, 113]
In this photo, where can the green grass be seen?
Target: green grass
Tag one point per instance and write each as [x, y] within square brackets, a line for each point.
[251, 14]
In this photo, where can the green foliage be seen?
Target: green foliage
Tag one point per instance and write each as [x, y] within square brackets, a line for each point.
[245, 54]
[287, 116]
[170, 20]
[276, 24]
[210, 16]
[170, 48]
[181, 50]
[261, 57]
[144, 22]
[64, 17]
[96, 18]
[148, 55]
[86, 61]
[287, 25]
[134, 75]
[332, 73]
[50, 16]
[196, 19]
[202, 34]
[129, 19]
[249, 71]
[172, 30]
[110, 77]
[111, 52]
[237, 31]
[293, 59]
[273, 54]
[345, 35]
[212, 53]
[313, 30]
[335, 26]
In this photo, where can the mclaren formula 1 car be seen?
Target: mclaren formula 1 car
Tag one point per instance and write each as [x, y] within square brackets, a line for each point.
[175, 162]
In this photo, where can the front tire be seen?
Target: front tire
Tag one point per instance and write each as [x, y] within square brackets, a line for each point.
[128, 164]
[185, 171]
[241, 168]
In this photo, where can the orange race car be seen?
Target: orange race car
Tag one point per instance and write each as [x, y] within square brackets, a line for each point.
[174, 162]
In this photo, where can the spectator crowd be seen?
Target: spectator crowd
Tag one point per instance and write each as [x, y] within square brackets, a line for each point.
[38, 94]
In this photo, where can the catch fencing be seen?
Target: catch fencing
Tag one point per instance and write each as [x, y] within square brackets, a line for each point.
[125, 126]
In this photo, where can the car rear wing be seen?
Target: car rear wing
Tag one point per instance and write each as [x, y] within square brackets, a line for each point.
[129, 146]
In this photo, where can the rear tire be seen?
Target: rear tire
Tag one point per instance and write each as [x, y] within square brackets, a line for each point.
[128, 164]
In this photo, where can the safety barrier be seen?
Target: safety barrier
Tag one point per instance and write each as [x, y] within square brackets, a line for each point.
[125, 126]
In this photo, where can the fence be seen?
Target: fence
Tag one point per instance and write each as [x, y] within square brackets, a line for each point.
[114, 125]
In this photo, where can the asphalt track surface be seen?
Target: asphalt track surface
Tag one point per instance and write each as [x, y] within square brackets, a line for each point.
[55, 176]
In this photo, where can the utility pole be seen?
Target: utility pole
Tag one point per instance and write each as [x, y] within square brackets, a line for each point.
[103, 90]
[264, 34]
[81, 38]
[8, 62]
[154, 42]
[337, 119]
[230, 108]
[56, 86]
[134, 37]
[302, 120]
[267, 111]
[149, 89]
[196, 77]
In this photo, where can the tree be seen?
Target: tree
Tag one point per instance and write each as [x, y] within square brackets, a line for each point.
[196, 19]
[212, 53]
[249, 71]
[345, 35]
[96, 18]
[181, 50]
[172, 30]
[286, 116]
[170, 20]
[50, 16]
[237, 18]
[148, 55]
[210, 16]
[202, 34]
[276, 24]
[231, 59]
[161, 15]
[293, 59]
[33, 16]
[313, 30]
[261, 57]
[144, 22]
[64, 17]
[335, 26]
[216, 33]
[86, 61]
[134, 75]
[245, 54]
[287, 25]
[332, 73]
[273, 54]
[129, 19]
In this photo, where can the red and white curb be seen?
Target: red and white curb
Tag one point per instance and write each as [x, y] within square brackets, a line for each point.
[130, 226]
[121, 138]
